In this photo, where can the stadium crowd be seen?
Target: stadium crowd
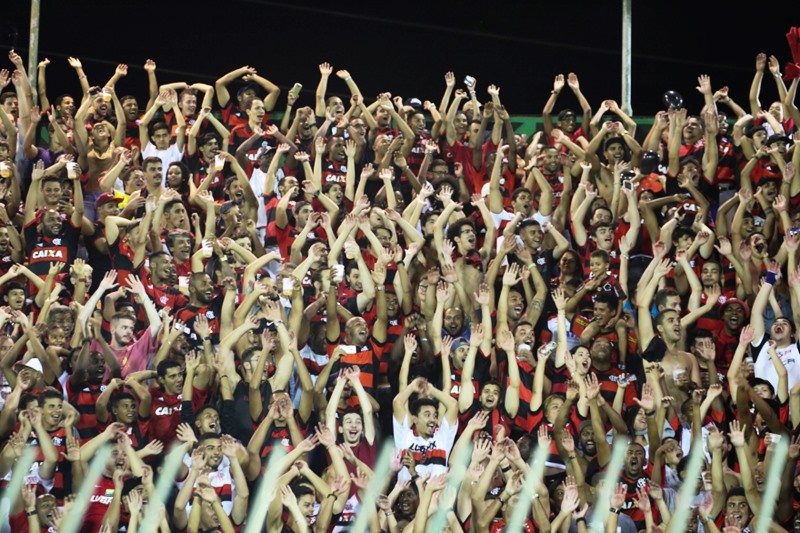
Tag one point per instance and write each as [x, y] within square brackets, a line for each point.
[188, 274]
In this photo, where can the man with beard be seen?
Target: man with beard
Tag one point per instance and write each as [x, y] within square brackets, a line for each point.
[133, 356]
[360, 348]
[161, 282]
[781, 332]
[203, 301]
[49, 238]
[635, 476]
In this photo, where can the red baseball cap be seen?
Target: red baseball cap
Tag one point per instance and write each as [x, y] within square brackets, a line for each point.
[107, 198]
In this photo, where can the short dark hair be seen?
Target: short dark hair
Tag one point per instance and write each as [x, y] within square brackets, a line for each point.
[455, 229]
[49, 394]
[601, 254]
[153, 159]
[158, 126]
[418, 404]
[164, 366]
[608, 298]
[118, 397]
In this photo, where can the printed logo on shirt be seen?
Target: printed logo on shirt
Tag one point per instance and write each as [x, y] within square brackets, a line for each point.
[58, 253]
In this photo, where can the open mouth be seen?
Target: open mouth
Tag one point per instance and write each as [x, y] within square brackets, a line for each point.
[213, 427]
[353, 435]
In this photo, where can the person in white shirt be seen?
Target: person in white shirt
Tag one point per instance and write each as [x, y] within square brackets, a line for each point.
[155, 140]
[430, 440]
[782, 331]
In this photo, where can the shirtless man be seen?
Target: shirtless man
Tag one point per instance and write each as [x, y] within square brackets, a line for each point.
[679, 367]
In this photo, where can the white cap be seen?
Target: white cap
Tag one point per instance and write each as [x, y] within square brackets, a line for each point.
[33, 364]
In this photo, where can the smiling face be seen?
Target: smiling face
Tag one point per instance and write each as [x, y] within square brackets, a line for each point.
[52, 224]
[425, 421]
[604, 237]
[52, 412]
[202, 288]
[733, 316]
[737, 511]
[454, 320]
[212, 448]
[352, 428]
[357, 331]
[407, 503]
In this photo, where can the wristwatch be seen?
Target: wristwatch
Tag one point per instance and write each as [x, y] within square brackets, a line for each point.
[615, 510]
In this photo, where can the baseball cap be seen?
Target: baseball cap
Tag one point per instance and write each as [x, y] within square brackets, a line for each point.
[731, 301]
[775, 138]
[416, 103]
[107, 198]
[458, 342]
[33, 364]
[242, 90]
[564, 113]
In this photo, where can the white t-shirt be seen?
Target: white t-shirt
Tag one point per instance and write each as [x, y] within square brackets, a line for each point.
[168, 156]
[765, 369]
[431, 455]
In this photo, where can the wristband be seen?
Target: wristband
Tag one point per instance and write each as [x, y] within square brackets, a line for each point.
[614, 510]
[388, 513]
[206, 339]
[572, 457]
[331, 495]
[31, 513]
[380, 288]
[650, 413]
[771, 278]
[506, 469]
[579, 520]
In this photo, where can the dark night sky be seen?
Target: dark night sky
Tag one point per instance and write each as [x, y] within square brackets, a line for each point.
[396, 46]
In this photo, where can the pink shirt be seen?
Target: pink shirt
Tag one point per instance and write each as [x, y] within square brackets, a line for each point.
[133, 357]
